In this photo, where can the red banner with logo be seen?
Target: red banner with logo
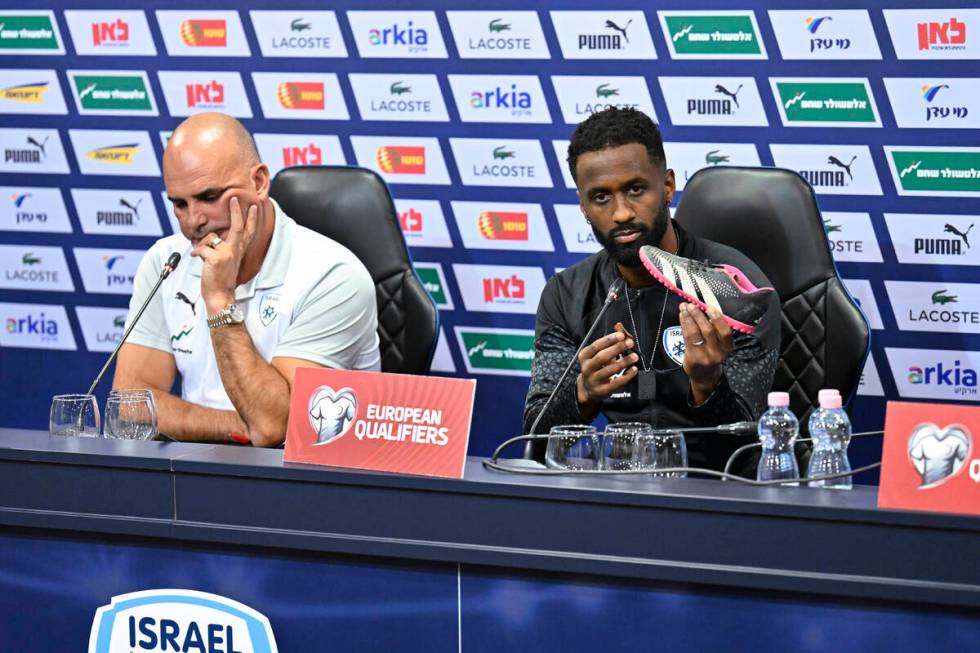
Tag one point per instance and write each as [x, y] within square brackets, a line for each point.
[931, 458]
[382, 422]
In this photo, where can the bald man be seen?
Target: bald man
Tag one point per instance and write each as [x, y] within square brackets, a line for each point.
[255, 297]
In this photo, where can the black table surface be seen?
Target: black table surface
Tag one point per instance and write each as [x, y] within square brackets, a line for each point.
[687, 531]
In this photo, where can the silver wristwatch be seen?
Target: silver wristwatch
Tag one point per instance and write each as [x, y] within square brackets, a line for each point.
[230, 314]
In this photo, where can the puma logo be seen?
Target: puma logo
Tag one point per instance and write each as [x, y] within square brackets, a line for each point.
[724, 91]
[182, 297]
[40, 146]
[135, 209]
[840, 164]
[950, 229]
[621, 30]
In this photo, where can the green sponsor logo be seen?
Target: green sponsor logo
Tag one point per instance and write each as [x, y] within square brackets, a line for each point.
[603, 91]
[502, 153]
[940, 297]
[950, 171]
[299, 26]
[30, 259]
[27, 33]
[826, 102]
[498, 25]
[112, 93]
[119, 321]
[433, 285]
[715, 157]
[829, 227]
[713, 35]
[399, 88]
[502, 353]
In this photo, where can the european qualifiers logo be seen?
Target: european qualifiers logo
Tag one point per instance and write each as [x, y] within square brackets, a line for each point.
[398, 97]
[508, 352]
[699, 101]
[935, 103]
[331, 413]
[831, 169]
[949, 171]
[927, 306]
[397, 34]
[112, 93]
[603, 34]
[712, 34]
[816, 102]
[35, 326]
[580, 96]
[298, 34]
[938, 454]
[300, 96]
[203, 33]
[498, 35]
[484, 162]
[495, 98]
[933, 33]
[29, 32]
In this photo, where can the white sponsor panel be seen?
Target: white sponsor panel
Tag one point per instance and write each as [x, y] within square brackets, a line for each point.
[501, 162]
[102, 328]
[499, 225]
[687, 158]
[16, 37]
[603, 34]
[401, 160]
[298, 33]
[108, 270]
[190, 92]
[499, 288]
[831, 169]
[442, 359]
[398, 97]
[935, 102]
[934, 33]
[31, 91]
[862, 293]
[397, 34]
[301, 96]
[561, 153]
[934, 373]
[499, 98]
[198, 33]
[700, 101]
[423, 223]
[936, 306]
[934, 239]
[110, 33]
[33, 209]
[580, 96]
[280, 151]
[498, 35]
[870, 383]
[34, 267]
[118, 98]
[105, 152]
[35, 326]
[32, 151]
[825, 34]
[434, 281]
[851, 237]
[116, 212]
[575, 231]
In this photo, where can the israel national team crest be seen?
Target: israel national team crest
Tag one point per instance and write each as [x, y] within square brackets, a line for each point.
[332, 413]
[268, 308]
[674, 344]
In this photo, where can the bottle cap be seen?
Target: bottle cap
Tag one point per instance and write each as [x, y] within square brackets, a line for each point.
[830, 392]
[829, 401]
[779, 399]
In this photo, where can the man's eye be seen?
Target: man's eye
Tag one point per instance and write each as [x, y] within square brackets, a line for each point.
[636, 190]
[600, 197]
[179, 204]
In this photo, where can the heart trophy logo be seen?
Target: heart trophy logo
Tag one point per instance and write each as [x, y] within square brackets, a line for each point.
[331, 413]
[938, 454]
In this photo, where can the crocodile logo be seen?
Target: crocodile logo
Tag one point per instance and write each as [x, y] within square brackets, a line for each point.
[829, 227]
[398, 88]
[30, 259]
[299, 26]
[502, 153]
[497, 25]
[119, 321]
[603, 90]
[941, 298]
[714, 158]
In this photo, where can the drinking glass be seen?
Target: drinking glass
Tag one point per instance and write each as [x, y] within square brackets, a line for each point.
[130, 417]
[655, 451]
[618, 443]
[74, 415]
[136, 392]
[572, 447]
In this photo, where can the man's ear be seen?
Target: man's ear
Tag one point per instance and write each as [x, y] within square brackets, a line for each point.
[261, 180]
[670, 185]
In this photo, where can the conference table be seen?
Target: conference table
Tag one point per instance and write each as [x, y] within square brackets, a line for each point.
[343, 560]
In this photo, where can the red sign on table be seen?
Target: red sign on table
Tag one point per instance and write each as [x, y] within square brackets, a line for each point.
[383, 422]
[931, 458]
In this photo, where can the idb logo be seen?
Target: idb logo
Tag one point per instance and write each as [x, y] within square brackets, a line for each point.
[179, 620]
[331, 413]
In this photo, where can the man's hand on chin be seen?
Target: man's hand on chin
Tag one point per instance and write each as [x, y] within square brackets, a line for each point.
[223, 257]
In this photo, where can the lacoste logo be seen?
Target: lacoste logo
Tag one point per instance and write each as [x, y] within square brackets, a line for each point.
[913, 166]
[497, 25]
[30, 259]
[299, 26]
[796, 98]
[603, 90]
[119, 321]
[829, 228]
[85, 91]
[840, 164]
[950, 229]
[502, 153]
[398, 89]
[31, 141]
[713, 158]
[477, 348]
[940, 297]
[621, 30]
[131, 207]
[684, 32]
[724, 91]
[182, 297]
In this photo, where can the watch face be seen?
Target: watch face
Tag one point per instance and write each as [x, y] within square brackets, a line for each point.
[236, 314]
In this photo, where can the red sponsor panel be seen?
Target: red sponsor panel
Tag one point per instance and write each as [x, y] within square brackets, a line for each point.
[502, 225]
[931, 458]
[115, 32]
[308, 155]
[382, 422]
[205, 94]
[401, 159]
[301, 95]
[204, 33]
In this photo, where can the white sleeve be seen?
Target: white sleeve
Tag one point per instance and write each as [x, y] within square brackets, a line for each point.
[151, 330]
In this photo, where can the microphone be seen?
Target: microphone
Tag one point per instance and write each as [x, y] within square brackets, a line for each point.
[615, 288]
[168, 267]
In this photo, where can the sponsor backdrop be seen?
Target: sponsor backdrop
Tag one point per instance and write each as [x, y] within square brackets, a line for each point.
[466, 114]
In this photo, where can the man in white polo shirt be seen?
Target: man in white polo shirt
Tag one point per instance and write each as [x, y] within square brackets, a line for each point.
[255, 296]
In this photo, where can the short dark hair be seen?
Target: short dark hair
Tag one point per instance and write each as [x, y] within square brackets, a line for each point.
[613, 127]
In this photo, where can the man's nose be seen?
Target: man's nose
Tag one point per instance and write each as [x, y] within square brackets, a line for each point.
[622, 209]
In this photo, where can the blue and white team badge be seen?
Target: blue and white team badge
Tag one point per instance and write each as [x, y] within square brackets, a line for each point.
[179, 620]
[268, 308]
[674, 344]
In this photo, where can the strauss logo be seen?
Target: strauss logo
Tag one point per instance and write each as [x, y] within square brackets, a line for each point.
[331, 413]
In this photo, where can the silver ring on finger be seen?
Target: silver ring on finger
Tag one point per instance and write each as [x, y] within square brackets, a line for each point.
[698, 343]
[215, 241]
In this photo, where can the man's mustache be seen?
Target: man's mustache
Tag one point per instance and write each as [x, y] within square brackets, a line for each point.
[627, 228]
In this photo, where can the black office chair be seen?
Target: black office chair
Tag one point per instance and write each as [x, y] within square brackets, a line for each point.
[353, 206]
[771, 216]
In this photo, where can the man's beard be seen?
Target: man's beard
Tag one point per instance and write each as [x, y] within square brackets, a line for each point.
[628, 254]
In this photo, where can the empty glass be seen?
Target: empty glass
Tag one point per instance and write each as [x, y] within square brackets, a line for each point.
[130, 416]
[136, 392]
[573, 447]
[618, 443]
[661, 451]
[74, 415]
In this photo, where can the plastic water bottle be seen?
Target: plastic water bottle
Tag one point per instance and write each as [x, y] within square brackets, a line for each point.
[778, 428]
[830, 429]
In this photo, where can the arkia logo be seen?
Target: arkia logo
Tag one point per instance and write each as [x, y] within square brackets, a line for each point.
[501, 225]
[813, 24]
[179, 620]
[204, 33]
[35, 325]
[32, 93]
[410, 220]
[929, 93]
[33, 154]
[950, 35]
[301, 95]
[831, 178]
[715, 106]
[309, 155]
[416, 38]
[519, 102]
[944, 246]
[614, 39]
[938, 454]
[401, 159]
[206, 96]
[503, 290]
[331, 413]
[115, 154]
[962, 380]
[109, 34]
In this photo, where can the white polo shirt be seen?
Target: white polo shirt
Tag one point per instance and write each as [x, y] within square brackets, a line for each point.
[312, 299]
